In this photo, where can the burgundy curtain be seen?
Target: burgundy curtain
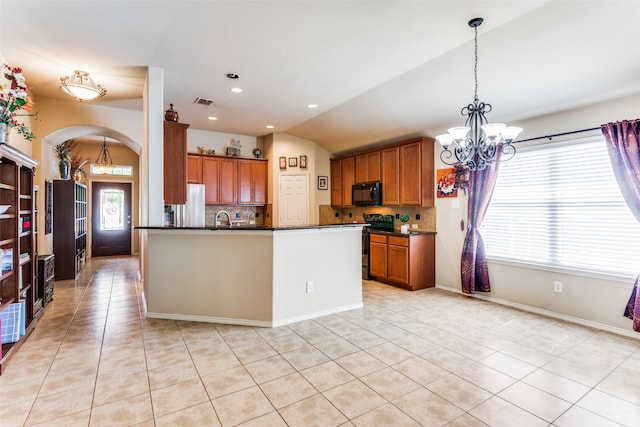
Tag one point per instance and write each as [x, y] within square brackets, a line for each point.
[624, 152]
[473, 269]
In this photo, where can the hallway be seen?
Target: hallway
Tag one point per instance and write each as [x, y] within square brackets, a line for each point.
[407, 359]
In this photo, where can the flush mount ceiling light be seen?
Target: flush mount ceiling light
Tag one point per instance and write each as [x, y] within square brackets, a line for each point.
[81, 86]
[236, 90]
[478, 143]
[104, 164]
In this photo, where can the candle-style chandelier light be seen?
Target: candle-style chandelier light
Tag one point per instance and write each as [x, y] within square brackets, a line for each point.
[476, 145]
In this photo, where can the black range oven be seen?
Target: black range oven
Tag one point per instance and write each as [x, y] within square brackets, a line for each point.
[376, 222]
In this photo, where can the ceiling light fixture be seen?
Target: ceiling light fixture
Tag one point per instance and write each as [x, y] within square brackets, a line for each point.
[270, 126]
[477, 143]
[212, 118]
[104, 164]
[235, 90]
[312, 106]
[81, 86]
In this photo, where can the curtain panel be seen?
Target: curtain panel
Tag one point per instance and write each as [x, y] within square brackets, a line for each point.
[474, 271]
[624, 153]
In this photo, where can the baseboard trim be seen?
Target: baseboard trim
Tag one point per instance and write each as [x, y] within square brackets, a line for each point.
[249, 322]
[553, 314]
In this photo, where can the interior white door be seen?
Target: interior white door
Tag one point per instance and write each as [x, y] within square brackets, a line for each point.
[294, 200]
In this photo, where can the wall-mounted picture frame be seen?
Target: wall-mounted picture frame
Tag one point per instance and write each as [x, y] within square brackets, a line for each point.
[323, 182]
[283, 163]
[293, 162]
[303, 162]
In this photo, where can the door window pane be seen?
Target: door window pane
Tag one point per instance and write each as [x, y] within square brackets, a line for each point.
[111, 210]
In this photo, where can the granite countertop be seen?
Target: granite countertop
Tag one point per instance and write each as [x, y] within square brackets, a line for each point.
[398, 233]
[249, 227]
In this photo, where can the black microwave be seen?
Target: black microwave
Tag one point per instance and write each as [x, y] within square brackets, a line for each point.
[367, 194]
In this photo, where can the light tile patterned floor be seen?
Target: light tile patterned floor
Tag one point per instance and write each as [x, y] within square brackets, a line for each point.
[427, 358]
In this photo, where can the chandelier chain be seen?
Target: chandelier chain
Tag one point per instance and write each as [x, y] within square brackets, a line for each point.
[475, 62]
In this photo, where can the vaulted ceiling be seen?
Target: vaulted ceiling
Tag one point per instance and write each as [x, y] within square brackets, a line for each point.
[378, 70]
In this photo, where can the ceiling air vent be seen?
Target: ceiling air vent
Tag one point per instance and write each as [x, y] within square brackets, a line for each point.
[203, 101]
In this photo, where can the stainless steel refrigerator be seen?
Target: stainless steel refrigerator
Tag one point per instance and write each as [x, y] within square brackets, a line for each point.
[194, 209]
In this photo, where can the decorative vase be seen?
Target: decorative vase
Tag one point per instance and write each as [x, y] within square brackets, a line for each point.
[404, 228]
[171, 115]
[4, 133]
[65, 168]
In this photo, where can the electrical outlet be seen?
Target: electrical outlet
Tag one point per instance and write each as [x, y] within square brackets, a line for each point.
[414, 226]
[557, 286]
[309, 287]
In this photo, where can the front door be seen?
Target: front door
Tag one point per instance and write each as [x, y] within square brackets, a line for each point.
[111, 218]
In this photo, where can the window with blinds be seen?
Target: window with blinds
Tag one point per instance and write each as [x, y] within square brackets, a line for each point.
[559, 205]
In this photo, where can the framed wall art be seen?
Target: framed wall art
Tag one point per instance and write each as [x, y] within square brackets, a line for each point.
[303, 162]
[293, 162]
[283, 163]
[446, 180]
[323, 182]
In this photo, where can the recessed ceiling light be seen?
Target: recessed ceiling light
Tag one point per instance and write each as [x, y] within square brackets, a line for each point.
[236, 90]
[270, 126]
[212, 118]
[312, 105]
[233, 76]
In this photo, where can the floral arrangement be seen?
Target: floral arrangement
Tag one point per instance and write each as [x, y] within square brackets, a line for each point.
[14, 98]
[63, 150]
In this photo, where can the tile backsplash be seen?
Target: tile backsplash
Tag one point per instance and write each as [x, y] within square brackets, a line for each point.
[242, 214]
[427, 221]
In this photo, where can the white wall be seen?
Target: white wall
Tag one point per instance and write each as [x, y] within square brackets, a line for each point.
[596, 301]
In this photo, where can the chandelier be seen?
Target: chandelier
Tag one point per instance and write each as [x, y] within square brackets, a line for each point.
[478, 143]
[81, 86]
[104, 164]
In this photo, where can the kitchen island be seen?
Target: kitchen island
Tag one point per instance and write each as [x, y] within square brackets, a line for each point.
[255, 276]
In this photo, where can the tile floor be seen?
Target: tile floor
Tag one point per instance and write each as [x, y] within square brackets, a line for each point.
[427, 358]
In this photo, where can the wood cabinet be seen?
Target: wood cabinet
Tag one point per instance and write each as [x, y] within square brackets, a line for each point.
[175, 163]
[406, 170]
[231, 181]
[46, 277]
[368, 167]
[69, 228]
[336, 183]
[17, 244]
[194, 169]
[342, 179]
[407, 261]
[390, 160]
[252, 182]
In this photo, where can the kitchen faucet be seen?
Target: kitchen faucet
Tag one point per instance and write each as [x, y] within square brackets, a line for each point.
[215, 221]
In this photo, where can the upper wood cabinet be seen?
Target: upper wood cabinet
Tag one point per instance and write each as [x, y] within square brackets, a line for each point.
[348, 179]
[342, 179]
[368, 167]
[194, 169]
[406, 170]
[336, 182]
[211, 179]
[229, 180]
[175, 163]
[390, 159]
[252, 182]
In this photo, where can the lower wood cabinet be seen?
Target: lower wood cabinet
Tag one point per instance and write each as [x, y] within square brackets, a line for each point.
[407, 261]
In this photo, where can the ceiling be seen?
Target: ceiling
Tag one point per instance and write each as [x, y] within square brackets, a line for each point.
[379, 70]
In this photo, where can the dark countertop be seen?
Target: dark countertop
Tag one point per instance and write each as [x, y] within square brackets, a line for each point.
[250, 227]
[398, 233]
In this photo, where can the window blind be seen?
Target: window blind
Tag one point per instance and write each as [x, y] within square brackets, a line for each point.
[560, 206]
